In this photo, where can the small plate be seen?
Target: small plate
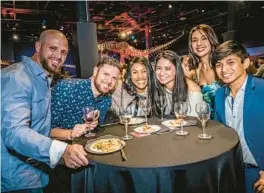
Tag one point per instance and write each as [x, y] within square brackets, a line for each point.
[105, 146]
[150, 129]
[135, 121]
[172, 124]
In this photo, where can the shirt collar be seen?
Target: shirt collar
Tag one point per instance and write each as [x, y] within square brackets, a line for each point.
[37, 70]
[243, 87]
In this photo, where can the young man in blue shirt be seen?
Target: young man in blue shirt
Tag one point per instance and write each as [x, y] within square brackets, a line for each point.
[239, 104]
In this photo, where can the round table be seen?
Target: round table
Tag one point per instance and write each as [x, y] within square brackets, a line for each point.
[166, 163]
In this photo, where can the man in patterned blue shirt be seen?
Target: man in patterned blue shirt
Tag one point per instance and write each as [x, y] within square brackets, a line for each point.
[69, 96]
[239, 104]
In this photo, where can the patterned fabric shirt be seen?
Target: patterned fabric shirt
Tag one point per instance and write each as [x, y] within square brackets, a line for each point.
[209, 91]
[234, 119]
[69, 96]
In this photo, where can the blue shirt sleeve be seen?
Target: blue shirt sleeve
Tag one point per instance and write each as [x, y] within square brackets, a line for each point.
[16, 112]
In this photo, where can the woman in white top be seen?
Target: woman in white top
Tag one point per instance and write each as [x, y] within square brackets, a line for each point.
[138, 86]
[171, 84]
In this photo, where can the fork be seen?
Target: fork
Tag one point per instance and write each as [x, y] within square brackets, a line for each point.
[122, 152]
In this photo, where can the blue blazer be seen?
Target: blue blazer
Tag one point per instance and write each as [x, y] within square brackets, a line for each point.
[253, 116]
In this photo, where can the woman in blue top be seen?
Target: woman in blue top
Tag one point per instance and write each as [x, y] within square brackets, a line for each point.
[202, 43]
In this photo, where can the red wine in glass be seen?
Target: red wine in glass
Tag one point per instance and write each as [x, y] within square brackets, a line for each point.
[88, 115]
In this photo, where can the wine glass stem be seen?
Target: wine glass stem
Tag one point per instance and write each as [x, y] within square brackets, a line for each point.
[126, 127]
[181, 126]
[146, 117]
[162, 115]
[203, 126]
[89, 131]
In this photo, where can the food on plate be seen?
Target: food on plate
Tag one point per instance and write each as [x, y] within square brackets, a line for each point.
[147, 128]
[107, 145]
[176, 122]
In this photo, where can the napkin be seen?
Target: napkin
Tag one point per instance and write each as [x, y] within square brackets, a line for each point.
[136, 134]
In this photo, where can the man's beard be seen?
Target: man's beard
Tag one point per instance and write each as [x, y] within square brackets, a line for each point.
[98, 88]
[45, 65]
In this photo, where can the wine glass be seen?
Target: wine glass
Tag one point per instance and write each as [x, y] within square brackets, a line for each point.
[162, 105]
[203, 114]
[180, 110]
[146, 108]
[89, 116]
[125, 115]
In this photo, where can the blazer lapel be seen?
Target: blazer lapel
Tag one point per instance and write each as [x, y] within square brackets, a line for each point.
[248, 99]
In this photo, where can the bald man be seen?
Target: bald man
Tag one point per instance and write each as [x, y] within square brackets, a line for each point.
[26, 119]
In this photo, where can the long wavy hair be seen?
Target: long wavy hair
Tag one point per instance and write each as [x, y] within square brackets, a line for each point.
[180, 89]
[130, 86]
[209, 32]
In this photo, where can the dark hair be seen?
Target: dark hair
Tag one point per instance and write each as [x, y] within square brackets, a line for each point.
[189, 61]
[184, 56]
[130, 86]
[209, 32]
[229, 48]
[62, 75]
[110, 61]
[180, 90]
[261, 57]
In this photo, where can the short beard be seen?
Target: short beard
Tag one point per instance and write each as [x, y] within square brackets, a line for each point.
[49, 69]
[97, 86]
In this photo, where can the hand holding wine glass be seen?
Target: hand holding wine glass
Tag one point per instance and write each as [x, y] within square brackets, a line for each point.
[89, 116]
[203, 114]
[181, 109]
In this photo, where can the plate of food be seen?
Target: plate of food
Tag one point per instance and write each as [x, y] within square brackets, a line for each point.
[173, 123]
[147, 129]
[135, 121]
[105, 146]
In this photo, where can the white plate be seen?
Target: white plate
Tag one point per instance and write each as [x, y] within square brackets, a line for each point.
[105, 146]
[171, 123]
[135, 121]
[151, 129]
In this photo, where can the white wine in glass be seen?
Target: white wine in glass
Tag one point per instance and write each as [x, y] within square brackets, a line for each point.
[181, 110]
[126, 114]
[203, 114]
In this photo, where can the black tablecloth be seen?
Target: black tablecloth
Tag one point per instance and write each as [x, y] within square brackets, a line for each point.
[219, 174]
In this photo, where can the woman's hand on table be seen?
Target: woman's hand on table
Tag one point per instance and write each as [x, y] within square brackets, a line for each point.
[259, 185]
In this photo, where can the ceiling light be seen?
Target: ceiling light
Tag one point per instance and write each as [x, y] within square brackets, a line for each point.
[170, 6]
[15, 37]
[202, 10]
